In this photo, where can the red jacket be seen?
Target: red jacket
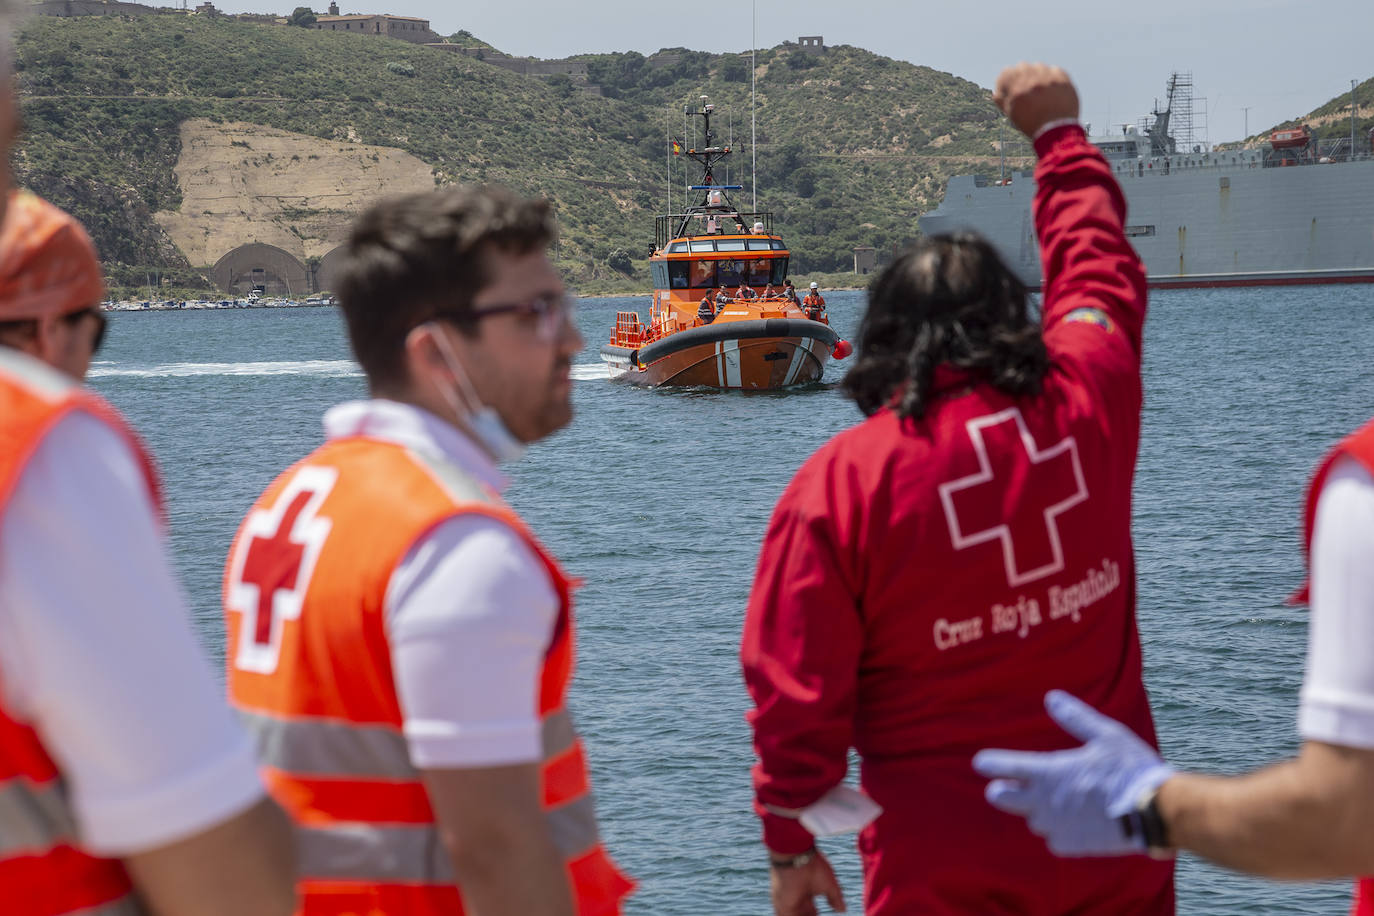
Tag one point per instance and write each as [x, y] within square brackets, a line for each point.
[923, 583]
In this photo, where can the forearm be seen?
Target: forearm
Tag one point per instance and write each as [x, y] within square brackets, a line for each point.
[498, 838]
[245, 865]
[518, 874]
[1304, 819]
[1079, 218]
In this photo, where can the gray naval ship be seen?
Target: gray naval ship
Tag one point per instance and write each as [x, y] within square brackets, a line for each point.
[1293, 212]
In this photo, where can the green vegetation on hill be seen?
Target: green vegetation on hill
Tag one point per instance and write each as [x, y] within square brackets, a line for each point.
[851, 146]
[1332, 120]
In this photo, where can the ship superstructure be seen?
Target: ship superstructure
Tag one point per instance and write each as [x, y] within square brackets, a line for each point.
[1293, 211]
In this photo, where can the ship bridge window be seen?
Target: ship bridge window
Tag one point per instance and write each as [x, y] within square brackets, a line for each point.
[678, 246]
[702, 246]
[677, 274]
[760, 244]
[778, 246]
[659, 270]
[703, 274]
[730, 245]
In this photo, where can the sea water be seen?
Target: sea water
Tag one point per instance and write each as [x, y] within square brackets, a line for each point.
[658, 499]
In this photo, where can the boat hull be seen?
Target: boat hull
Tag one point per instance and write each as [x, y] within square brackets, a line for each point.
[758, 355]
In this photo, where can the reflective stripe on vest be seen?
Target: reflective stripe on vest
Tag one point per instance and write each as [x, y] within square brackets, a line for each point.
[414, 854]
[325, 747]
[35, 818]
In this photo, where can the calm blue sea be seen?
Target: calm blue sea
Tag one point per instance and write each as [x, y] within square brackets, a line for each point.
[659, 498]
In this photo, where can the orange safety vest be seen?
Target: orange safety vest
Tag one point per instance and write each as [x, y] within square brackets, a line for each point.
[310, 672]
[43, 872]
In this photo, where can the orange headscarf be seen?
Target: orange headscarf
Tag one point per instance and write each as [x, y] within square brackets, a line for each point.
[48, 264]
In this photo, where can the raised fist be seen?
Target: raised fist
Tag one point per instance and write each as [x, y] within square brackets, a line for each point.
[1033, 95]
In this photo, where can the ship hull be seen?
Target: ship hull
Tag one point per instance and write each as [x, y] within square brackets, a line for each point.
[758, 355]
[1201, 221]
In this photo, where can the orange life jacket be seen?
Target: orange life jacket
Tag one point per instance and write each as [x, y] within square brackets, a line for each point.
[43, 872]
[310, 671]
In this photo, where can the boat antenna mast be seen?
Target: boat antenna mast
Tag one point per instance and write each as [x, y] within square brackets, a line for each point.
[715, 197]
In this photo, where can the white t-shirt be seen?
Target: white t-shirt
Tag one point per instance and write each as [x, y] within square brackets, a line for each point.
[97, 654]
[469, 612]
[1337, 701]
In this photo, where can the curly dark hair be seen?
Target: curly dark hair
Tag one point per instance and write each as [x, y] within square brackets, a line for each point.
[949, 299]
[412, 258]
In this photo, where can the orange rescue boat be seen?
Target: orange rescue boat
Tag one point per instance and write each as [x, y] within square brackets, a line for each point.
[720, 315]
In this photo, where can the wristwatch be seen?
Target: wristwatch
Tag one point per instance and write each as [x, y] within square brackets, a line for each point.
[1147, 823]
[796, 861]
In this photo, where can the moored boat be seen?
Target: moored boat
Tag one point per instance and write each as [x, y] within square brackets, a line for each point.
[720, 316]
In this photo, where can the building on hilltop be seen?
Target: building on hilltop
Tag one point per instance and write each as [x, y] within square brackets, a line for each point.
[406, 28]
[812, 44]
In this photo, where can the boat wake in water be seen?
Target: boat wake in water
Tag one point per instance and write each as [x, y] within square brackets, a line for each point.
[320, 368]
[588, 372]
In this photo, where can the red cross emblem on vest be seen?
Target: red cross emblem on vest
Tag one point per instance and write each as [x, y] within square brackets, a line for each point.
[273, 561]
[1016, 496]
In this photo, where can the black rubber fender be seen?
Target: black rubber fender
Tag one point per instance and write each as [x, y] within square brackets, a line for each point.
[733, 330]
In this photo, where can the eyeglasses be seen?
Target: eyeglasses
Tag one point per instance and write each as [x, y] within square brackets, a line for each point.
[101, 323]
[548, 314]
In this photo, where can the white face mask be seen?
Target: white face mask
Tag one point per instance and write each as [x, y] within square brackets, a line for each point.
[482, 421]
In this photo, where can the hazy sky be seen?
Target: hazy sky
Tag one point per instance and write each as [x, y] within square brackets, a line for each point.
[1281, 58]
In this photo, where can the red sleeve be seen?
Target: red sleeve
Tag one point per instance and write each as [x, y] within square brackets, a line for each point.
[802, 640]
[1079, 217]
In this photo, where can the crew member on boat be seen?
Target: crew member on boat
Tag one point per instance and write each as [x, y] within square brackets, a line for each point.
[814, 303]
[722, 299]
[706, 312]
[768, 292]
[745, 291]
[931, 572]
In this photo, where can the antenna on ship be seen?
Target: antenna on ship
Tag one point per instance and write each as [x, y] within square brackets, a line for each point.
[1352, 119]
[753, 82]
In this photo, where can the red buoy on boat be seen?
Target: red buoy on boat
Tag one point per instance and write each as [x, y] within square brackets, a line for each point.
[842, 349]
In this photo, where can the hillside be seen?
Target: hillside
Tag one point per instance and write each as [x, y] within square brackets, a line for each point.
[1332, 120]
[852, 146]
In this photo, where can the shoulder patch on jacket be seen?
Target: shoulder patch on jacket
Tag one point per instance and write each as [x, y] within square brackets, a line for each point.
[1091, 315]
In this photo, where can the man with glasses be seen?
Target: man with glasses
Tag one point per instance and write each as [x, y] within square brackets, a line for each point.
[399, 640]
[124, 779]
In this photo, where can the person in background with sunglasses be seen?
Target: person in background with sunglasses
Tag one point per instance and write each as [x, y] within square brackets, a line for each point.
[399, 640]
[124, 780]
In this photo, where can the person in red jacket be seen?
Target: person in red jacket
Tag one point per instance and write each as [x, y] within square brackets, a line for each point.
[931, 572]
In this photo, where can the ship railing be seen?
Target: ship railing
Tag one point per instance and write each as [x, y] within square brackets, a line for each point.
[628, 331]
[731, 222]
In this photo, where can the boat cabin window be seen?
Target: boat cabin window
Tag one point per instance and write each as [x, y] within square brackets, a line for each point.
[711, 274]
[703, 274]
[778, 246]
[730, 245]
[678, 246]
[760, 244]
[703, 246]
